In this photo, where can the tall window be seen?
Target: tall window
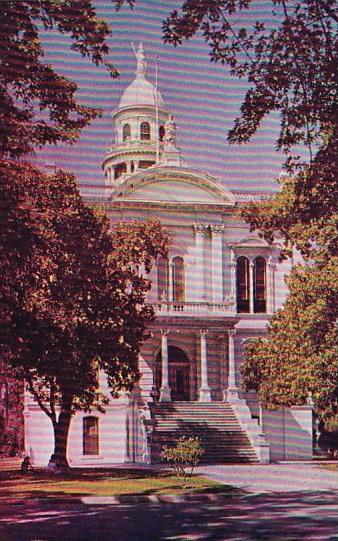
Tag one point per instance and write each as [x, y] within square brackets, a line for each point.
[178, 279]
[126, 132]
[145, 131]
[161, 133]
[90, 435]
[259, 300]
[162, 279]
[243, 285]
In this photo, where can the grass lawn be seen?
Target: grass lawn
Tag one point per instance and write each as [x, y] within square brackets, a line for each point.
[330, 467]
[117, 482]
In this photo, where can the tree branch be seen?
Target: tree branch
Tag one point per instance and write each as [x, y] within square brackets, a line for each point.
[308, 137]
[238, 40]
[37, 398]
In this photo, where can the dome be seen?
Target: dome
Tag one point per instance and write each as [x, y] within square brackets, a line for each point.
[141, 92]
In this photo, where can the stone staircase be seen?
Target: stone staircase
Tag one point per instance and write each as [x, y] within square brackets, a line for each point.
[214, 423]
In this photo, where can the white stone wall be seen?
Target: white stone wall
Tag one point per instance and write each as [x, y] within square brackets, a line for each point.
[289, 432]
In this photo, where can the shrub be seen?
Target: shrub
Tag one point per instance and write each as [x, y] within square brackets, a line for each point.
[9, 445]
[184, 457]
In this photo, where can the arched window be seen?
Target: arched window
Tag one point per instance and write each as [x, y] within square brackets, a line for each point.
[162, 279]
[90, 435]
[243, 285]
[259, 300]
[178, 279]
[126, 132]
[161, 133]
[145, 131]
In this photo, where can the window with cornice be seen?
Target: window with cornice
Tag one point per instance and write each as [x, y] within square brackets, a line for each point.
[126, 132]
[243, 284]
[163, 279]
[259, 280]
[251, 287]
[145, 131]
[178, 279]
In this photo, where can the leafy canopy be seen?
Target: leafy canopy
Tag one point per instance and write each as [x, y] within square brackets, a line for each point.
[72, 301]
[290, 61]
[38, 106]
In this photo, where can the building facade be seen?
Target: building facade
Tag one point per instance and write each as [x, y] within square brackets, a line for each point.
[217, 290]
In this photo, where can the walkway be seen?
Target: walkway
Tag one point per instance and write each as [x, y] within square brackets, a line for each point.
[283, 477]
[284, 502]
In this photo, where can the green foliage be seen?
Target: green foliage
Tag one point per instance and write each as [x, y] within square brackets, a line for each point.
[305, 211]
[71, 302]
[184, 457]
[290, 60]
[9, 444]
[290, 63]
[38, 105]
[300, 356]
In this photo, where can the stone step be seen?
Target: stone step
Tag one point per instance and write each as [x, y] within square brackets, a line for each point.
[215, 424]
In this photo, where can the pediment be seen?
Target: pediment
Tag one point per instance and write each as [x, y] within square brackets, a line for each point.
[175, 185]
[252, 241]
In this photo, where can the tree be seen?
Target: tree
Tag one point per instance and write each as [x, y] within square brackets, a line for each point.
[289, 61]
[291, 65]
[38, 106]
[72, 297]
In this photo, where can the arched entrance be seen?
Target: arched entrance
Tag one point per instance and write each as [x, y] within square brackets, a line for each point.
[179, 373]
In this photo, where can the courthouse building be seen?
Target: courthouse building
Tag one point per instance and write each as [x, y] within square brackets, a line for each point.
[216, 291]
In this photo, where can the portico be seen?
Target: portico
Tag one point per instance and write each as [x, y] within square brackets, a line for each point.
[195, 361]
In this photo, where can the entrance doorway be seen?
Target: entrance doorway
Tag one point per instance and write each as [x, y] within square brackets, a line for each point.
[179, 373]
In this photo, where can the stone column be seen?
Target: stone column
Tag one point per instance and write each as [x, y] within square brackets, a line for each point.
[217, 262]
[165, 394]
[251, 287]
[233, 288]
[232, 391]
[204, 392]
[199, 274]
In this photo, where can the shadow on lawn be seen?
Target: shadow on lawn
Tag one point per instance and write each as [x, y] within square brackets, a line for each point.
[71, 486]
[263, 517]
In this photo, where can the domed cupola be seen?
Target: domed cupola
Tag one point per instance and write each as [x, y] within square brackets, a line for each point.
[141, 91]
[139, 125]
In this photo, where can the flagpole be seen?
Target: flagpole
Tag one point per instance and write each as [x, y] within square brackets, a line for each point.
[156, 109]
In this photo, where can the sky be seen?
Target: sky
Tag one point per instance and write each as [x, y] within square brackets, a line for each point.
[204, 98]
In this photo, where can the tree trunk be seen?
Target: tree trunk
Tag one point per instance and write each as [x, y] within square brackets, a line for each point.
[61, 430]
